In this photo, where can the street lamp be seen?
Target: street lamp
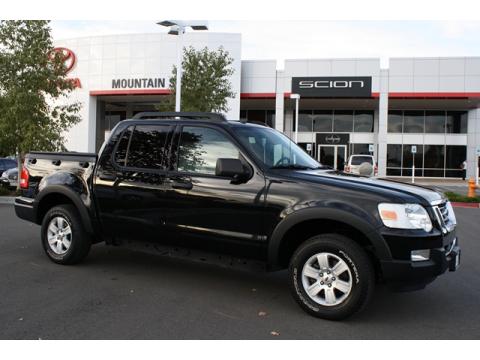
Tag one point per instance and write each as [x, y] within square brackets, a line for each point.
[177, 27]
[297, 99]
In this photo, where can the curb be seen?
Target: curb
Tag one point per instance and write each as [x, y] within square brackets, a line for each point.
[7, 199]
[466, 205]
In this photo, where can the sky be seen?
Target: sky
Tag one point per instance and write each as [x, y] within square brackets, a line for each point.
[282, 40]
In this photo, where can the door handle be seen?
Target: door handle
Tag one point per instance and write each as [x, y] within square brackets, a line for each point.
[181, 185]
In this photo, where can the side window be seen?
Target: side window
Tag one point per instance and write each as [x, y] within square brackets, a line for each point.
[143, 146]
[201, 147]
[147, 147]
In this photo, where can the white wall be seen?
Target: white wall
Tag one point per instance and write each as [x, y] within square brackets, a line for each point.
[103, 58]
[456, 74]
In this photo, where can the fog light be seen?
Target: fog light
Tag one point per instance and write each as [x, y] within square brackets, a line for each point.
[420, 255]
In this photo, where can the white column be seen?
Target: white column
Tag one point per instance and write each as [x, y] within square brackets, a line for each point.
[375, 132]
[93, 119]
[473, 140]
[279, 102]
[382, 124]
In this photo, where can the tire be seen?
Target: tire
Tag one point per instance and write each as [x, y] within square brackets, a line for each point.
[352, 282]
[74, 235]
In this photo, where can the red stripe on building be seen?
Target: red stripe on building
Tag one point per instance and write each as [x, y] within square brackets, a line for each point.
[433, 95]
[257, 95]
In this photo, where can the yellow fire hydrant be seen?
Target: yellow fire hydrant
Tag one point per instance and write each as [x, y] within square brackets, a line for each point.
[471, 188]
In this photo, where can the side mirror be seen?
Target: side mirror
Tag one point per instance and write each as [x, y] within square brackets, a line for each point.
[231, 168]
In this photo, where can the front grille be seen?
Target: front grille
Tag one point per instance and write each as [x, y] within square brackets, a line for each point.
[444, 220]
[443, 211]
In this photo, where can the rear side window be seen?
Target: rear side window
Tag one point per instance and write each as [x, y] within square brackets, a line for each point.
[143, 146]
[358, 160]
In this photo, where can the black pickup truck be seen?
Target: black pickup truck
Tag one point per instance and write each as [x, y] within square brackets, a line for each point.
[183, 184]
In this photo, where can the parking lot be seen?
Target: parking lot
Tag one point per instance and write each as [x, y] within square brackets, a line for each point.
[117, 294]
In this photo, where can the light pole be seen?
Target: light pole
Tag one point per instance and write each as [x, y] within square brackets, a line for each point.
[297, 99]
[177, 27]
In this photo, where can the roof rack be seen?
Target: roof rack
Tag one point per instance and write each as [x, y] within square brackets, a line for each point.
[208, 116]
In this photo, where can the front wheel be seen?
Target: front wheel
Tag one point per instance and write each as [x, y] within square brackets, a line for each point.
[331, 276]
[64, 238]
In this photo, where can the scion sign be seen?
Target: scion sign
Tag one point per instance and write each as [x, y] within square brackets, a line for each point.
[336, 86]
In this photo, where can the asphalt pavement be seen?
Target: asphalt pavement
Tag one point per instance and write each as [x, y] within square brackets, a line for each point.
[120, 294]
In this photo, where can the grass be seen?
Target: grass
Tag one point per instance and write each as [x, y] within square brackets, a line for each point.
[454, 197]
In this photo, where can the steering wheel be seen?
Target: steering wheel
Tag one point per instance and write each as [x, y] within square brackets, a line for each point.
[283, 161]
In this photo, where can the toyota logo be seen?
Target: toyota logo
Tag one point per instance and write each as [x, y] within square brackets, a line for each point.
[68, 57]
[332, 139]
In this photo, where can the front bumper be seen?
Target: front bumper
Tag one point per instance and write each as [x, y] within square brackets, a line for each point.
[413, 275]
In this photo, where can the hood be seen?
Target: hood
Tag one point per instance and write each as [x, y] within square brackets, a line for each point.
[390, 188]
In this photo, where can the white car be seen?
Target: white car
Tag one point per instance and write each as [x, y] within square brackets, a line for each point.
[360, 164]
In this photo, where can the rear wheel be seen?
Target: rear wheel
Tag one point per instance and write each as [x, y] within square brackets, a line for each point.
[64, 238]
[331, 276]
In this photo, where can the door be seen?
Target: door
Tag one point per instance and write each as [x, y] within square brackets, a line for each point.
[211, 212]
[332, 155]
[131, 196]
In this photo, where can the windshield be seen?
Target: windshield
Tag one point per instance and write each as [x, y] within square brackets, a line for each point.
[358, 160]
[274, 149]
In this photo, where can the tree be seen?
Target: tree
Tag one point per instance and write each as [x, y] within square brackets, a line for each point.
[34, 109]
[205, 81]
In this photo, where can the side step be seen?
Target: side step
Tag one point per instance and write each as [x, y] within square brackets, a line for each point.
[222, 260]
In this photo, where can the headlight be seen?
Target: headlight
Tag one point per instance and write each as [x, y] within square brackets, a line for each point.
[451, 214]
[405, 216]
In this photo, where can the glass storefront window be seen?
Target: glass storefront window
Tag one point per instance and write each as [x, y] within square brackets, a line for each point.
[334, 121]
[413, 122]
[305, 121]
[343, 121]
[361, 149]
[394, 172]
[363, 121]
[434, 157]
[322, 120]
[455, 156]
[430, 160]
[394, 155]
[457, 122]
[270, 118]
[408, 156]
[264, 116]
[395, 121]
[435, 122]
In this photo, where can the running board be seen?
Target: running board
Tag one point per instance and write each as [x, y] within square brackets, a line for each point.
[222, 260]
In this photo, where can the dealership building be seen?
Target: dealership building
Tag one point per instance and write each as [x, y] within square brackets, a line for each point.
[346, 106]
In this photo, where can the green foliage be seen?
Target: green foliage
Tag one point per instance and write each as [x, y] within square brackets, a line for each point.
[454, 197]
[205, 81]
[34, 111]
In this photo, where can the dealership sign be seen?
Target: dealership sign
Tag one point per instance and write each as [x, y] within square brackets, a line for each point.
[333, 86]
[138, 83]
[69, 60]
[332, 139]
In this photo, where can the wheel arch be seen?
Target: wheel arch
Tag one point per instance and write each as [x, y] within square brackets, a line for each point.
[301, 225]
[56, 195]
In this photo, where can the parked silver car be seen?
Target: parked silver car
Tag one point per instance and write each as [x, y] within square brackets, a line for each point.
[9, 178]
[361, 165]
